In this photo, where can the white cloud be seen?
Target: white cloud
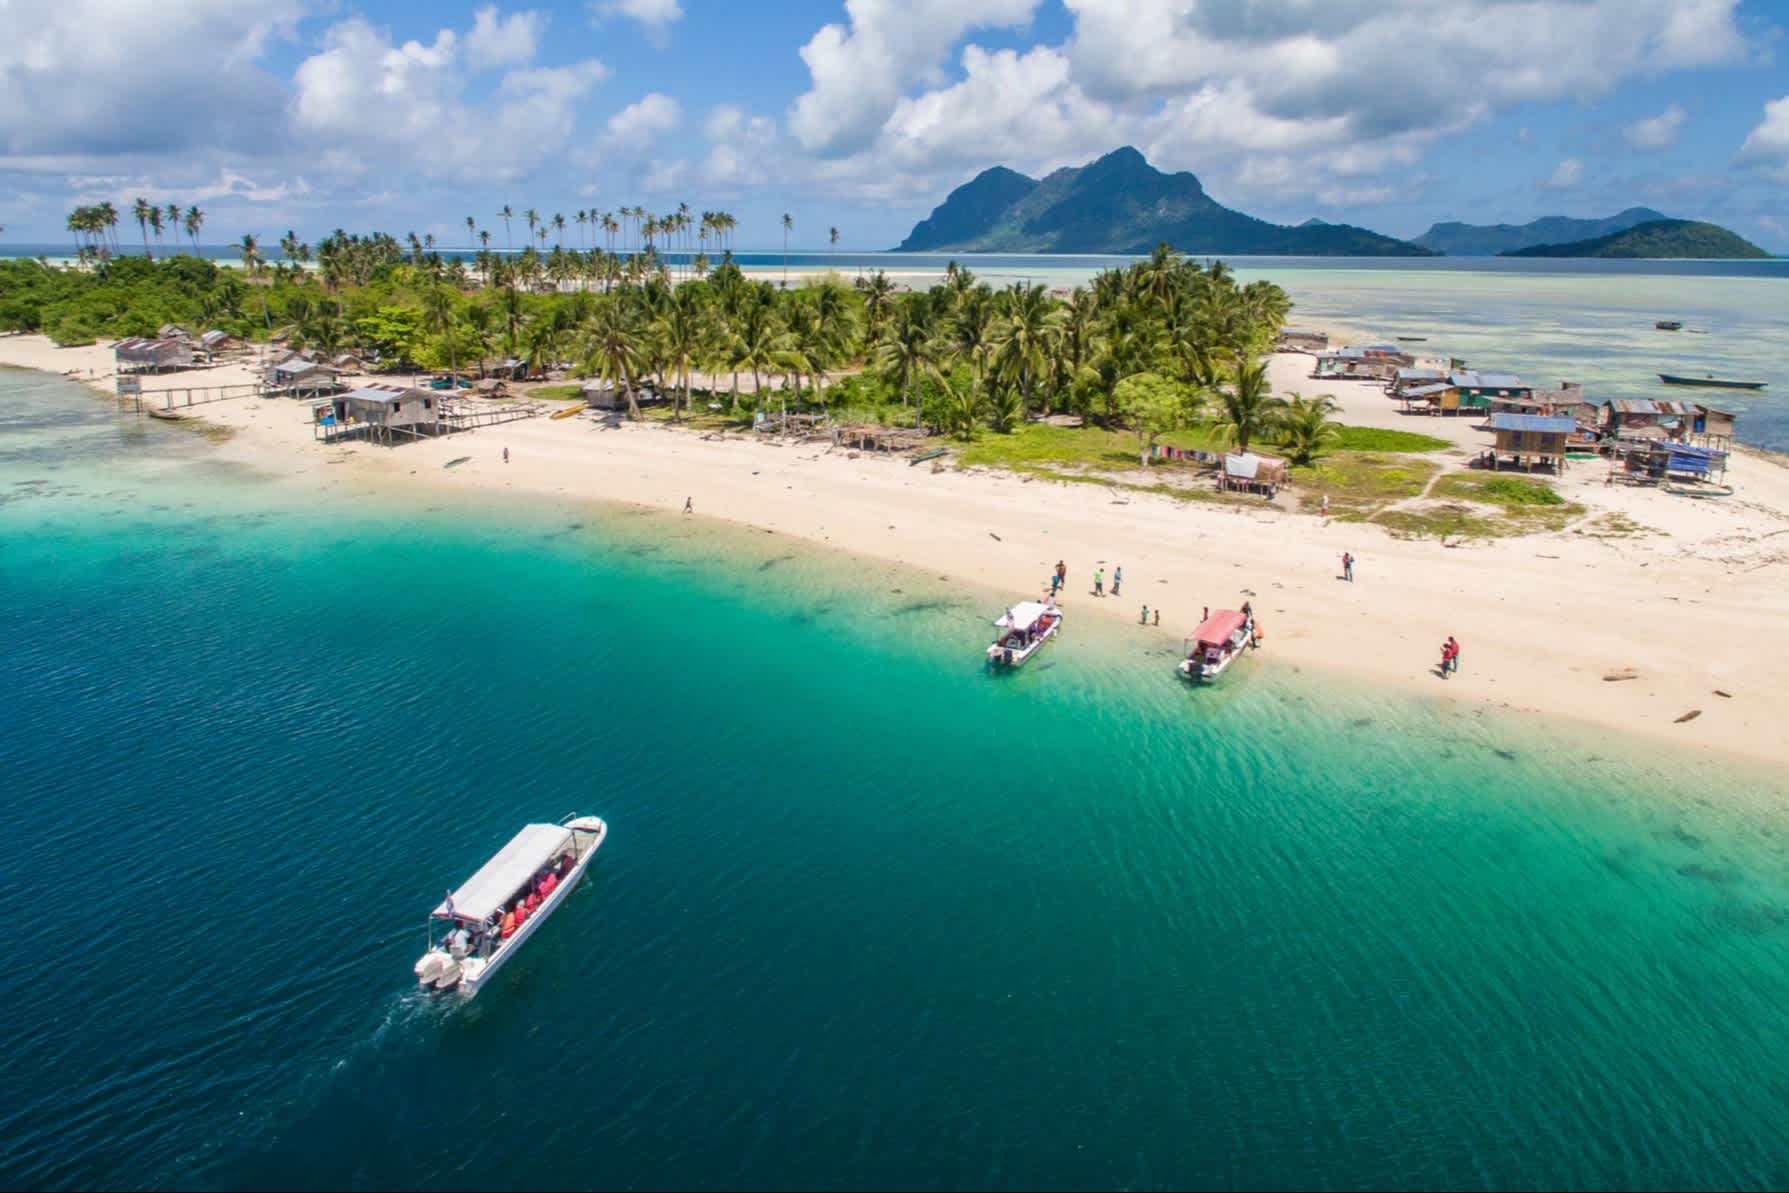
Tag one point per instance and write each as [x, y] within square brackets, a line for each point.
[1656, 132]
[1768, 144]
[1566, 175]
[638, 124]
[503, 41]
[742, 147]
[859, 71]
[365, 105]
[95, 80]
[654, 16]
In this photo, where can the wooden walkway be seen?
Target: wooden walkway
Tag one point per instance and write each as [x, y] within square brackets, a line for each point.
[464, 414]
[192, 395]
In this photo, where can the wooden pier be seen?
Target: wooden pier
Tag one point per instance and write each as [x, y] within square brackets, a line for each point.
[183, 396]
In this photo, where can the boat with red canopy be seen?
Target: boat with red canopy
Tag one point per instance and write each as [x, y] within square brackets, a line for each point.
[1217, 643]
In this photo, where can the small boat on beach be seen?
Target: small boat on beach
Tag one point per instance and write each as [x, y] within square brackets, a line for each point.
[1669, 325]
[1024, 629]
[1219, 641]
[567, 412]
[489, 916]
[1709, 382]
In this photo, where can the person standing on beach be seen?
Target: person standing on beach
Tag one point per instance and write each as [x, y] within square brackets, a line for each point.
[1447, 658]
[1158, 616]
[1099, 582]
[1453, 654]
[1144, 619]
[1347, 567]
[1056, 580]
[1117, 578]
[1061, 573]
[506, 455]
[689, 505]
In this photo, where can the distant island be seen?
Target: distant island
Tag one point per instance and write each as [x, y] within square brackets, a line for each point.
[1490, 240]
[1656, 238]
[1122, 204]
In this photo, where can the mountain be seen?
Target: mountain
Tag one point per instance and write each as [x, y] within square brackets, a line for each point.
[1488, 240]
[1120, 204]
[1656, 238]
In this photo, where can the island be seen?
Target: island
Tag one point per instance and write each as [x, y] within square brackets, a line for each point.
[1656, 239]
[1122, 204]
[1488, 240]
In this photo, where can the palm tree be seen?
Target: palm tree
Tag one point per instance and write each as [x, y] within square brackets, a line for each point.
[833, 237]
[141, 210]
[195, 219]
[1247, 410]
[612, 348]
[559, 228]
[508, 241]
[173, 222]
[909, 351]
[1306, 429]
[788, 223]
[438, 315]
[1023, 337]
[682, 333]
[471, 229]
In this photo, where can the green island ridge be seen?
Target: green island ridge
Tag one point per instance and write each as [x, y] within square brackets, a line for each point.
[1683, 239]
[1122, 204]
[1488, 240]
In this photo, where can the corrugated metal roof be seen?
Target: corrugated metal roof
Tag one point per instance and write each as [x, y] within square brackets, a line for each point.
[1473, 380]
[1650, 406]
[1425, 391]
[1556, 424]
[1420, 374]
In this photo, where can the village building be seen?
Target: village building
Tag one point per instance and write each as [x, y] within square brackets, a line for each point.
[142, 355]
[1303, 339]
[1532, 439]
[379, 413]
[1251, 473]
[1648, 418]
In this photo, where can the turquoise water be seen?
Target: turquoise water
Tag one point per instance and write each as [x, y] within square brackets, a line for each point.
[867, 917]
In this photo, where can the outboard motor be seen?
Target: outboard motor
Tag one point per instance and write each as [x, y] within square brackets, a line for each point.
[433, 966]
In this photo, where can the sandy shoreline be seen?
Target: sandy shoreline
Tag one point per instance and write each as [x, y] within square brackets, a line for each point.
[1696, 604]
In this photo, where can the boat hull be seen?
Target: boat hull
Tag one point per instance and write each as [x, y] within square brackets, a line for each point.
[475, 972]
[1001, 656]
[1709, 382]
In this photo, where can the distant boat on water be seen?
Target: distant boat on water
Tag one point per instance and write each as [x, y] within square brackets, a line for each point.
[1413, 339]
[1669, 325]
[1709, 382]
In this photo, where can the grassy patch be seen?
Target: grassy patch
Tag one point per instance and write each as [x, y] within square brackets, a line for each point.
[1375, 439]
[557, 393]
[1360, 484]
[1047, 445]
[1510, 492]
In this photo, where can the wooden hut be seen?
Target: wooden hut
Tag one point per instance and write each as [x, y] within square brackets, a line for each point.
[1302, 339]
[216, 340]
[1648, 418]
[1532, 439]
[143, 355]
[1476, 391]
[299, 377]
[381, 413]
[1713, 428]
[1251, 473]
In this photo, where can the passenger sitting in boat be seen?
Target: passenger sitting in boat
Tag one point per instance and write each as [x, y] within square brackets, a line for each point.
[532, 902]
[459, 941]
[521, 912]
[566, 863]
[549, 884]
[508, 924]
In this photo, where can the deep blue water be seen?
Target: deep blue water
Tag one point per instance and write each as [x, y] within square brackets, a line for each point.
[868, 917]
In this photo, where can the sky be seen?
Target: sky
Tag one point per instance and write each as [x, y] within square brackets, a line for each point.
[405, 116]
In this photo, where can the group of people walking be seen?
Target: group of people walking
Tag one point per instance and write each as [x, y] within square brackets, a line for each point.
[1059, 577]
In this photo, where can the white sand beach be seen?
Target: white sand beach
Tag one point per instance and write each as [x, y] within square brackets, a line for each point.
[1694, 603]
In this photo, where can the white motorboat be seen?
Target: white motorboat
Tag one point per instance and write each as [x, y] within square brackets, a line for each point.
[1219, 641]
[493, 912]
[1024, 629]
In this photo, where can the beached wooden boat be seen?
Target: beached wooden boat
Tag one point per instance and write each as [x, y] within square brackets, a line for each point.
[1699, 490]
[1669, 325]
[456, 461]
[922, 457]
[498, 908]
[567, 412]
[1024, 629]
[164, 415]
[1709, 382]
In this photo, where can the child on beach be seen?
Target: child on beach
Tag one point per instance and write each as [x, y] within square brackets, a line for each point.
[1348, 567]
[1117, 579]
[506, 455]
[1158, 617]
[1144, 619]
[1099, 582]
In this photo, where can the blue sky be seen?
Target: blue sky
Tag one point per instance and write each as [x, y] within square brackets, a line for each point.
[404, 116]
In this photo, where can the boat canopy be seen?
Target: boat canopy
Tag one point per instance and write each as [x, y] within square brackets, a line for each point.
[1216, 629]
[1024, 615]
[481, 895]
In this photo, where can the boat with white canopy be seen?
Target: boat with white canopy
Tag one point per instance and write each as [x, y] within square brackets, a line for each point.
[1024, 629]
[489, 916]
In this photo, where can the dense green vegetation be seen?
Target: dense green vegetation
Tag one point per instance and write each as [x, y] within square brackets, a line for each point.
[1656, 238]
[1121, 204]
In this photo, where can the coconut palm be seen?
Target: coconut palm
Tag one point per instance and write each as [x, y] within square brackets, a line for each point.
[172, 218]
[438, 316]
[1247, 410]
[508, 241]
[195, 219]
[559, 228]
[612, 347]
[832, 237]
[471, 229]
[140, 209]
[909, 351]
[1306, 430]
[788, 223]
[1023, 337]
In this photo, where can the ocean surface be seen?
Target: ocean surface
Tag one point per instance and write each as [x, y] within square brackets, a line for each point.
[867, 916]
